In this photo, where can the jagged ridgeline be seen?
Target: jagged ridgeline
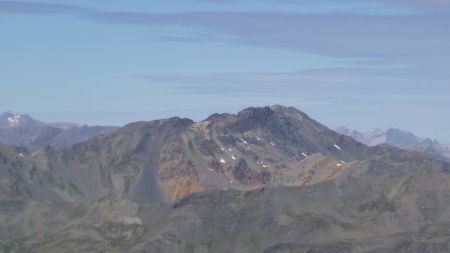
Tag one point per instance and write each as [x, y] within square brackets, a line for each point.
[267, 179]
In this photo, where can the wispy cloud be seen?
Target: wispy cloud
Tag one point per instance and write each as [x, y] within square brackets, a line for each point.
[430, 3]
[412, 39]
[419, 39]
[336, 81]
[423, 3]
[16, 7]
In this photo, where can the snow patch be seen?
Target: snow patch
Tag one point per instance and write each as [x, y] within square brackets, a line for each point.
[336, 146]
[305, 155]
[222, 160]
[14, 120]
[262, 164]
[271, 143]
[233, 157]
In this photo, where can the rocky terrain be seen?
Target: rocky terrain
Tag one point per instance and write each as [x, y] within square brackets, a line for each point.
[267, 179]
[164, 160]
[24, 131]
[401, 139]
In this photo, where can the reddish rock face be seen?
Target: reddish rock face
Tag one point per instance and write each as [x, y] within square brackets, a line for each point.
[248, 176]
[257, 147]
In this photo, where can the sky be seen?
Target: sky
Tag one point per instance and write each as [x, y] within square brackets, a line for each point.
[363, 64]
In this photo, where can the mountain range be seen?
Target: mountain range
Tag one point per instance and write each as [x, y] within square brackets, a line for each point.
[22, 130]
[401, 139]
[267, 179]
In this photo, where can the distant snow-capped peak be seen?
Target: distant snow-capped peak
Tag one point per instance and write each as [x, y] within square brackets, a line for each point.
[13, 120]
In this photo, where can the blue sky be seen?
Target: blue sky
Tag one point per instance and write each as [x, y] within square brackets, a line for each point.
[359, 63]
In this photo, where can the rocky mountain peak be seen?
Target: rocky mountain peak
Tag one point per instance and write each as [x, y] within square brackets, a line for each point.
[288, 111]
[254, 117]
[269, 117]
[266, 112]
